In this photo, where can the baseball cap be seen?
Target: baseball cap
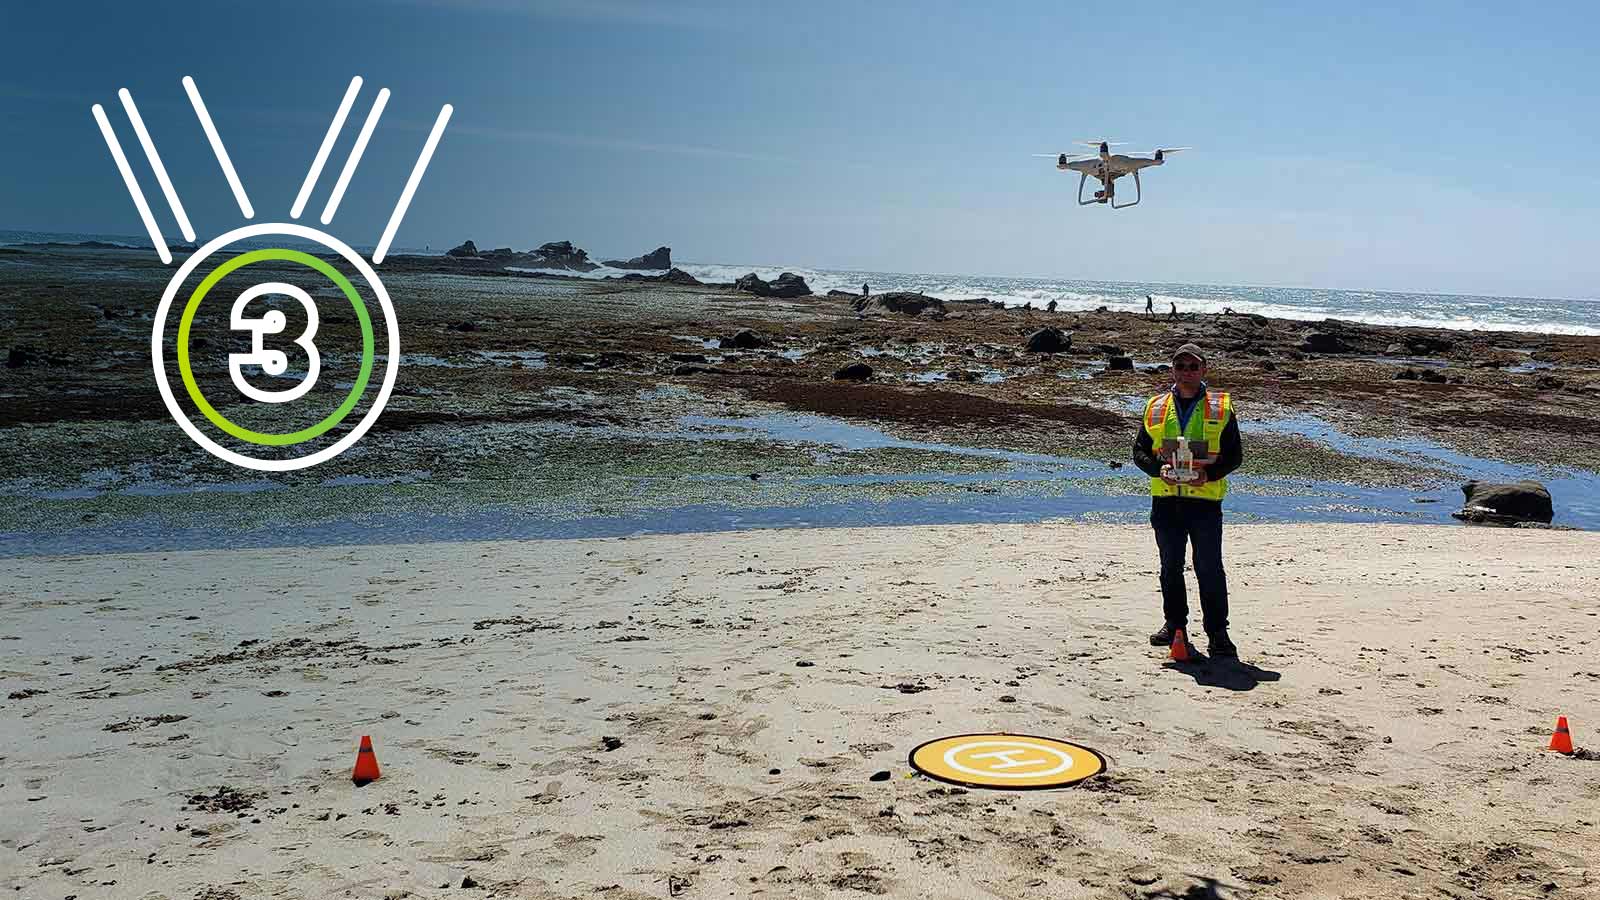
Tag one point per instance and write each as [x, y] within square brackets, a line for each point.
[1190, 350]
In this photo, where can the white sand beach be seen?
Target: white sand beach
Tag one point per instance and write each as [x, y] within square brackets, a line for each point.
[183, 725]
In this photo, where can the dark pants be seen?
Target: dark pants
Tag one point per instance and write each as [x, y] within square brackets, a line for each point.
[1179, 522]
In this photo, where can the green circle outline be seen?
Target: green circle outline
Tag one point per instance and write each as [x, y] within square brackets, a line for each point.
[266, 438]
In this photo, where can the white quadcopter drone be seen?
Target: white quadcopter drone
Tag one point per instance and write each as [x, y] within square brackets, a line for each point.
[1108, 168]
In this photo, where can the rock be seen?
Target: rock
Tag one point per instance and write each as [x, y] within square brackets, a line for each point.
[744, 339]
[880, 776]
[1120, 363]
[468, 882]
[20, 356]
[610, 743]
[1424, 345]
[1433, 376]
[788, 286]
[659, 258]
[1322, 342]
[1143, 875]
[1549, 382]
[467, 248]
[838, 293]
[561, 255]
[1049, 340]
[1268, 365]
[753, 284]
[463, 326]
[903, 302]
[1406, 375]
[679, 276]
[688, 357]
[1505, 504]
[856, 371]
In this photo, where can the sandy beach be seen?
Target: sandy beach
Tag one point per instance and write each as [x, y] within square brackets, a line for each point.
[702, 716]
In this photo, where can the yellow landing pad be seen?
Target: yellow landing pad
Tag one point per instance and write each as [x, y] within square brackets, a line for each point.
[1015, 762]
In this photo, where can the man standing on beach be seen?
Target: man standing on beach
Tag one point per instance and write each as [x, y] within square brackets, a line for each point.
[1190, 512]
[1149, 305]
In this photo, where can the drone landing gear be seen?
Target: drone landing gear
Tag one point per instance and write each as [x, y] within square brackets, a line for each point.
[1138, 194]
[1100, 196]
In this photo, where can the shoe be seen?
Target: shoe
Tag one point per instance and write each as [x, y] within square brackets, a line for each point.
[1162, 638]
[1221, 647]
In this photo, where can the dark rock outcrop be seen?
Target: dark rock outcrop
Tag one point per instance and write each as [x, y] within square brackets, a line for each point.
[679, 276]
[753, 284]
[1049, 340]
[903, 302]
[744, 339]
[561, 255]
[467, 248]
[1425, 345]
[659, 258]
[1120, 364]
[856, 371]
[1323, 342]
[1505, 504]
[1429, 375]
[788, 286]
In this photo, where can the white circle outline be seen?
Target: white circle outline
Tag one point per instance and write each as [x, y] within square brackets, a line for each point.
[158, 351]
[1067, 761]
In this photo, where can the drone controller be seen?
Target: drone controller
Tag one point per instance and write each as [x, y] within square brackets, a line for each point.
[1183, 469]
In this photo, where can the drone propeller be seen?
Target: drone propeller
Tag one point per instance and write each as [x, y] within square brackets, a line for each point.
[1071, 157]
[1098, 143]
[1165, 150]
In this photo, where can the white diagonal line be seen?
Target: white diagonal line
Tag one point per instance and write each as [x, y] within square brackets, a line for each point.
[355, 157]
[133, 186]
[327, 145]
[155, 164]
[216, 146]
[411, 184]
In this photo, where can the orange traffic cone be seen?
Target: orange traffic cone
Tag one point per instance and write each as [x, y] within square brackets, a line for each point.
[1180, 646]
[366, 763]
[1561, 741]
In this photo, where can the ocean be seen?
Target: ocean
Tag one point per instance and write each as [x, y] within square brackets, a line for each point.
[1456, 311]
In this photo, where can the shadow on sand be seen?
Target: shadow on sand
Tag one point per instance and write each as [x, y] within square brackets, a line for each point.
[1223, 673]
[1203, 889]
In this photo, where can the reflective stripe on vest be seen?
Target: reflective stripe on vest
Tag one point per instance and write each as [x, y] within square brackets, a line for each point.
[1160, 418]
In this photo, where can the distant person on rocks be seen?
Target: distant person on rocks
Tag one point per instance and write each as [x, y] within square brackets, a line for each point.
[1174, 313]
[1051, 306]
[1149, 305]
[1190, 512]
[865, 291]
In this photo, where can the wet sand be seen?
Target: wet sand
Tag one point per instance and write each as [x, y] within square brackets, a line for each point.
[702, 716]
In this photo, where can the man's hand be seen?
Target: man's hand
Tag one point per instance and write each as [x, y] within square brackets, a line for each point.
[1199, 478]
[1166, 475]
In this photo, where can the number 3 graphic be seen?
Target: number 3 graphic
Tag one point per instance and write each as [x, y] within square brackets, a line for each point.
[273, 362]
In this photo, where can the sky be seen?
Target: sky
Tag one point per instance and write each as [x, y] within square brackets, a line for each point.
[1443, 147]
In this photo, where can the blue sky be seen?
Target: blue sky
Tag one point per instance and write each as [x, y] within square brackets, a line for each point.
[1439, 147]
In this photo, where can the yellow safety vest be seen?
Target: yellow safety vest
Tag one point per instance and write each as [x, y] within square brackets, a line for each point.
[1204, 434]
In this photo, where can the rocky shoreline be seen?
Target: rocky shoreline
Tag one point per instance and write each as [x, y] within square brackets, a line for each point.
[497, 359]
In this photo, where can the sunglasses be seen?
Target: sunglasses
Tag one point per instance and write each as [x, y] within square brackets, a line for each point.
[1188, 367]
